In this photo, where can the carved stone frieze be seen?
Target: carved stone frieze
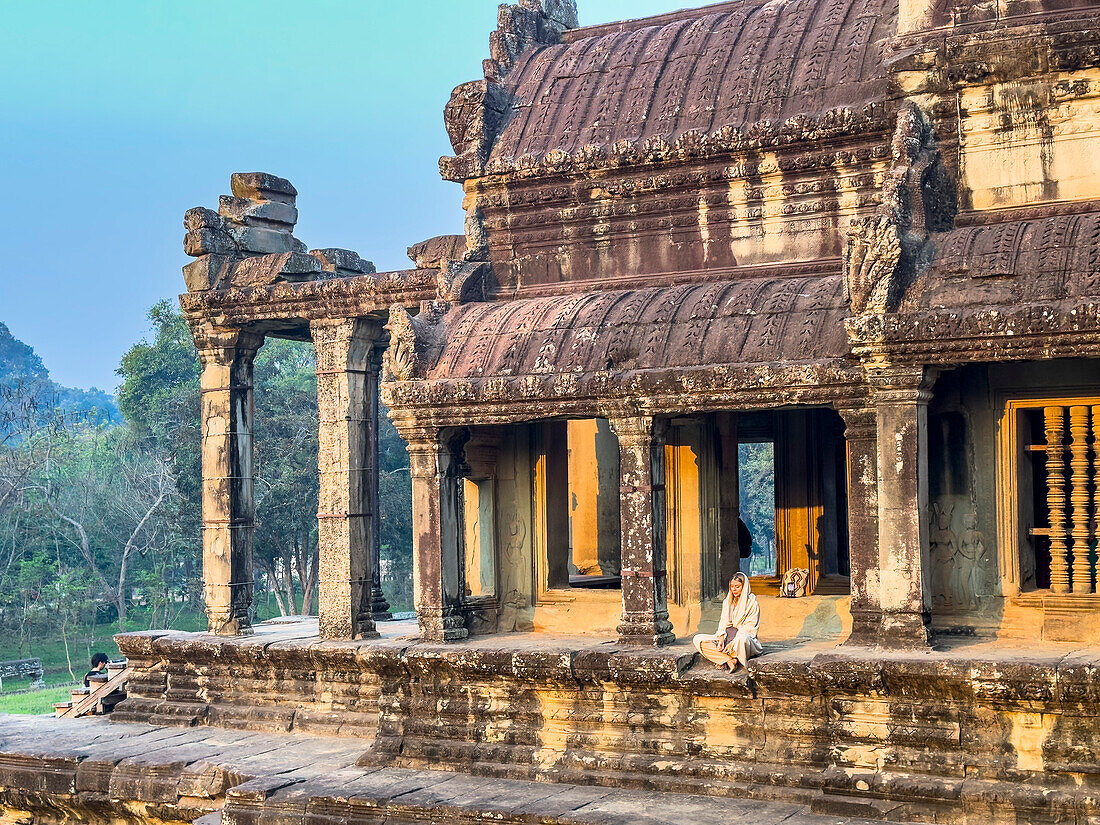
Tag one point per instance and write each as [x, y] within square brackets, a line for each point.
[288, 306]
[886, 253]
[872, 264]
[692, 145]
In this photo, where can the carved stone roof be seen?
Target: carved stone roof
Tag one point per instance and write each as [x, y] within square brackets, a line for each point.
[717, 68]
[669, 328]
[1025, 287]
[1025, 261]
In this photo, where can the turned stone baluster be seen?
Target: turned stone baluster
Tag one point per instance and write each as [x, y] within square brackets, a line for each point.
[1079, 496]
[1094, 504]
[1056, 498]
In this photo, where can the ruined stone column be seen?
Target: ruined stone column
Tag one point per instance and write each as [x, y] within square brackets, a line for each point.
[346, 512]
[642, 495]
[379, 607]
[437, 584]
[228, 486]
[861, 435]
[901, 396]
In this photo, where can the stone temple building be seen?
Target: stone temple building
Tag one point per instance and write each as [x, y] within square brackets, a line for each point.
[866, 232]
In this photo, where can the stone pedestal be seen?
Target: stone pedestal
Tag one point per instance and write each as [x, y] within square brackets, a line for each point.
[642, 496]
[228, 486]
[437, 584]
[347, 514]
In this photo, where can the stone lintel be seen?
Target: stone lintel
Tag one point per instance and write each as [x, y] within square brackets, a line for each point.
[275, 306]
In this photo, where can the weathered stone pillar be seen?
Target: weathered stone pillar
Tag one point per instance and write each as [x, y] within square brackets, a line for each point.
[228, 486]
[437, 581]
[897, 588]
[379, 607]
[642, 495]
[861, 435]
[346, 512]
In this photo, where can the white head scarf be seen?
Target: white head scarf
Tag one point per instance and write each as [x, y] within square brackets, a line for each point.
[744, 614]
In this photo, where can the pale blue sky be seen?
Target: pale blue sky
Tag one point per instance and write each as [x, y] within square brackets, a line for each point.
[119, 116]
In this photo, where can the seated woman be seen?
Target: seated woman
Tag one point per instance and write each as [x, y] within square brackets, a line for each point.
[735, 642]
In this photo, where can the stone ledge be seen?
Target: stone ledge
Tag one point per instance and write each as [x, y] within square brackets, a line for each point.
[1060, 672]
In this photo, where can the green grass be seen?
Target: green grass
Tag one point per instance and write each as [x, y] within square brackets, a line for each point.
[35, 702]
[11, 685]
[51, 649]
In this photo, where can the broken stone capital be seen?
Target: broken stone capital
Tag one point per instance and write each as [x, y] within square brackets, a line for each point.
[224, 346]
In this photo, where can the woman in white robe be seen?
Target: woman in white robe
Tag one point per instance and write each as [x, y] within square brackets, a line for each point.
[741, 614]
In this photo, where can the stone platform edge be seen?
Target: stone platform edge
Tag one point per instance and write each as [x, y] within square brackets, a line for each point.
[989, 673]
[855, 731]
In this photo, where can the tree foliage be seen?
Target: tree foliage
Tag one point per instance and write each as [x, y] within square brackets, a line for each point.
[756, 471]
[101, 520]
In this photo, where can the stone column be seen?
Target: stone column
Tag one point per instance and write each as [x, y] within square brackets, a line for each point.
[228, 486]
[642, 495]
[437, 580]
[380, 608]
[900, 589]
[346, 513]
[861, 435]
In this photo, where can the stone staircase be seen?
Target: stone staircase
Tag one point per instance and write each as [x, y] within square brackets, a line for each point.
[100, 772]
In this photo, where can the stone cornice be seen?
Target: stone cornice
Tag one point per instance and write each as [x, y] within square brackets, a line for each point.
[451, 402]
[282, 303]
[727, 143]
[1062, 329]
[996, 50]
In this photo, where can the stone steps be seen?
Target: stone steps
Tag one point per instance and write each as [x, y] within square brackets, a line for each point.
[395, 797]
[105, 772]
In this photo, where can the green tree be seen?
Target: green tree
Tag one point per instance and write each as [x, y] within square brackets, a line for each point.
[286, 472]
[111, 501]
[159, 399]
[757, 490]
